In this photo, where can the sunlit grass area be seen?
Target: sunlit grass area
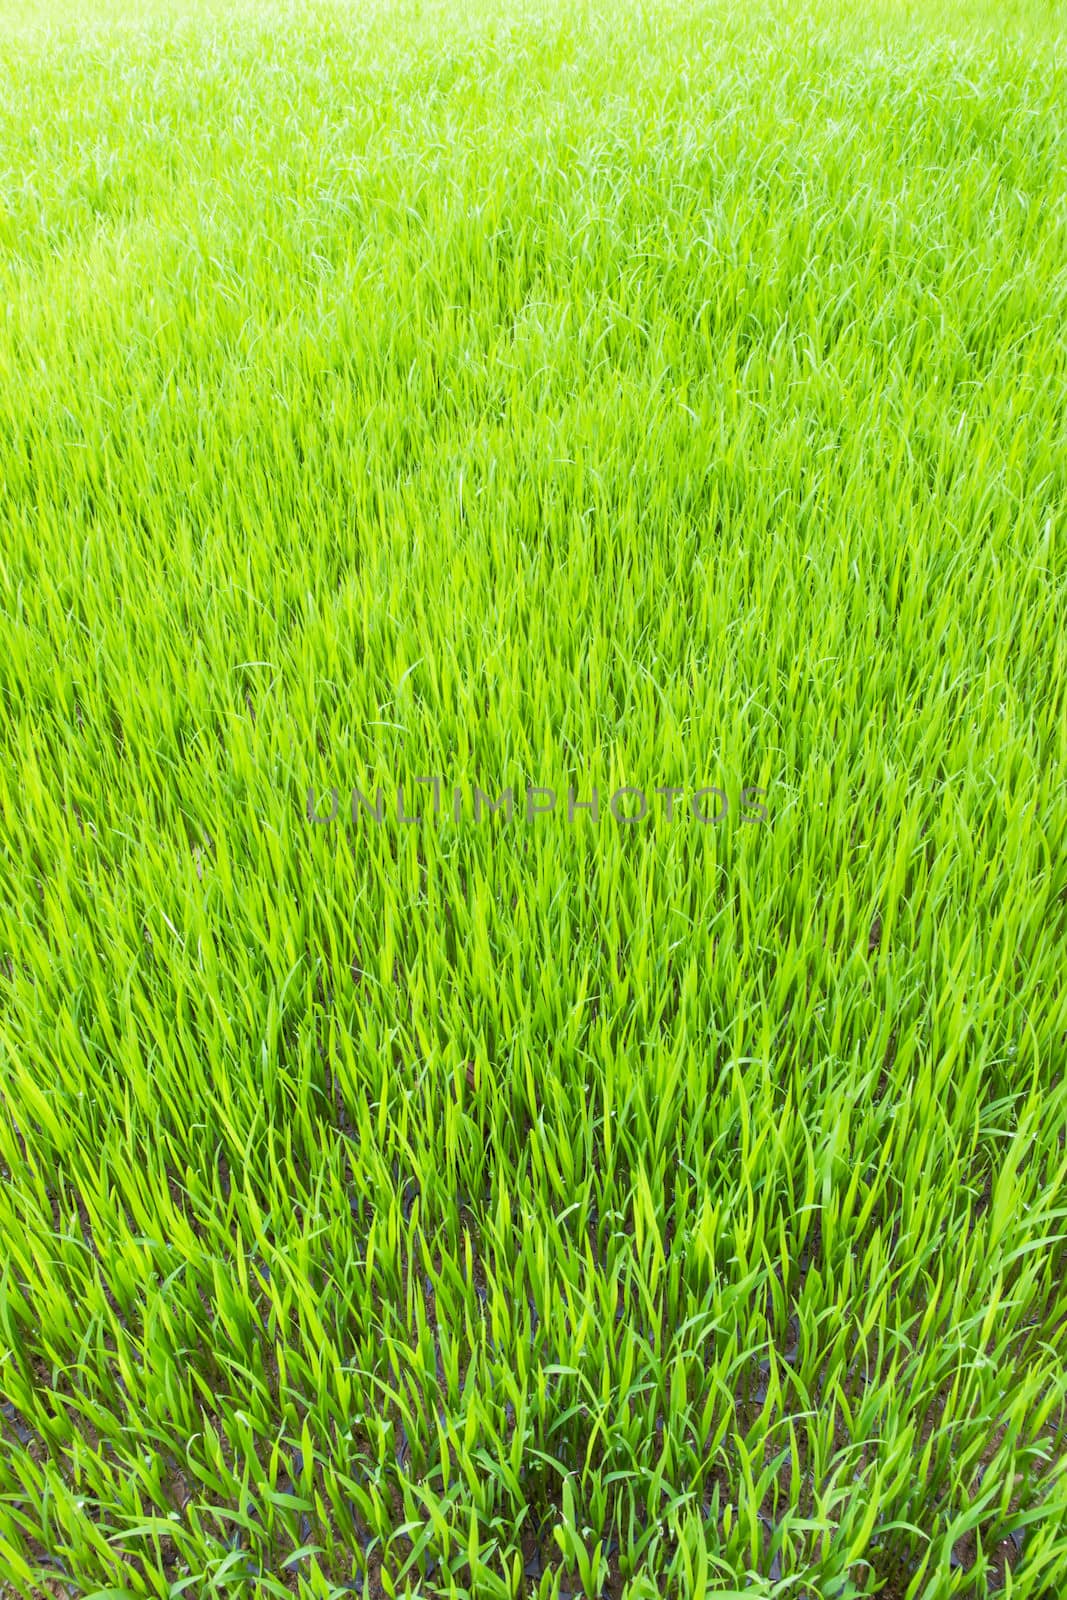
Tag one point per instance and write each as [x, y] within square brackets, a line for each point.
[629, 1161]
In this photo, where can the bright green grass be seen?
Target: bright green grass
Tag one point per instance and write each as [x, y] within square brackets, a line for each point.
[646, 396]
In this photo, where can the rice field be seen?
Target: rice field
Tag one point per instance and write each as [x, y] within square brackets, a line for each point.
[533, 903]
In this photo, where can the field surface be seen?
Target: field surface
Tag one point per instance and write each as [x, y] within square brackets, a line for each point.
[536, 1189]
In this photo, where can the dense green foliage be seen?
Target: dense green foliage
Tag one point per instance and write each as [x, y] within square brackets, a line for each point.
[665, 396]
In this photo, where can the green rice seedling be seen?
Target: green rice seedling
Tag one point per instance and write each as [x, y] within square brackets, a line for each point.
[533, 897]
